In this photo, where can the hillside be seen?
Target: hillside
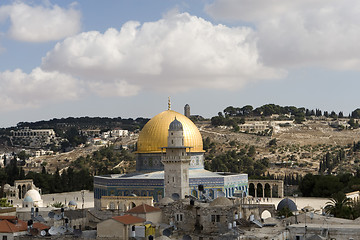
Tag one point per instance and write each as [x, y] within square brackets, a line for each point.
[299, 148]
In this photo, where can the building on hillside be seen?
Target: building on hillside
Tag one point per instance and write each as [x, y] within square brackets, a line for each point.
[354, 196]
[149, 179]
[119, 133]
[33, 137]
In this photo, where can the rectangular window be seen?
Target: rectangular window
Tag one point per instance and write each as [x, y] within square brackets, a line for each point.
[4, 238]
[212, 218]
[179, 217]
[217, 218]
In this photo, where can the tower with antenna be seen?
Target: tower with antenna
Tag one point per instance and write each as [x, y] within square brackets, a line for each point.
[187, 110]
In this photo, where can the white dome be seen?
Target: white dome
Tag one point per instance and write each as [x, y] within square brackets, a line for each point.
[7, 186]
[35, 195]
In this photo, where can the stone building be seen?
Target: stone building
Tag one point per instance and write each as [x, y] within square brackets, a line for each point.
[203, 219]
[33, 137]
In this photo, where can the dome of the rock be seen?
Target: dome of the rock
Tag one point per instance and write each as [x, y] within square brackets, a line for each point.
[155, 133]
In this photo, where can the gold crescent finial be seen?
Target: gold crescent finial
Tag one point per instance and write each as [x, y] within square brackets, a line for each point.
[169, 104]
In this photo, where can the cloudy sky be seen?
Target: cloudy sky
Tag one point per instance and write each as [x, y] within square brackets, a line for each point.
[124, 58]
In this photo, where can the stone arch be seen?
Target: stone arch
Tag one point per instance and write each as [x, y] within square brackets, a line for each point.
[275, 190]
[276, 187]
[267, 190]
[251, 189]
[265, 214]
[23, 191]
[132, 205]
[259, 190]
[19, 191]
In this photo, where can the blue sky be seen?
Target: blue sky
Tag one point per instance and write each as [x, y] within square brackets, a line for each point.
[124, 58]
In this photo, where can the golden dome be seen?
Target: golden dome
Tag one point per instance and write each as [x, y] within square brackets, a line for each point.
[155, 133]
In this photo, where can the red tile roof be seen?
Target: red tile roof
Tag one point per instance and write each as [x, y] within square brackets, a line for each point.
[8, 217]
[9, 227]
[128, 219]
[40, 226]
[144, 208]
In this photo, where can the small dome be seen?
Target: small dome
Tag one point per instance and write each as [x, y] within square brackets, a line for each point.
[72, 203]
[287, 202]
[28, 199]
[7, 186]
[35, 195]
[221, 201]
[175, 125]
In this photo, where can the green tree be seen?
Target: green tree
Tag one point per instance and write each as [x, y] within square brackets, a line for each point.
[58, 205]
[339, 206]
[4, 203]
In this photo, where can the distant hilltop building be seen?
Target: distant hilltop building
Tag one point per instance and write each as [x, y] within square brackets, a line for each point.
[172, 139]
[33, 137]
[27, 132]
[187, 110]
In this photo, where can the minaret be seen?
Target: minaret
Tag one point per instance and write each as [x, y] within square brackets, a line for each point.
[176, 163]
[187, 110]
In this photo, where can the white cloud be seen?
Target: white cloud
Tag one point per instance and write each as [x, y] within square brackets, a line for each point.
[20, 90]
[178, 52]
[299, 32]
[40, 23]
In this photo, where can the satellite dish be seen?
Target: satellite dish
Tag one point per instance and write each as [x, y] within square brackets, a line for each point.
[167, 232]
[34, 232]
[175, 196]
[53, 231]
[43, 233]
[221, 194]
[51, 214]
[58, 217]
[186, 237]
[62, 230]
